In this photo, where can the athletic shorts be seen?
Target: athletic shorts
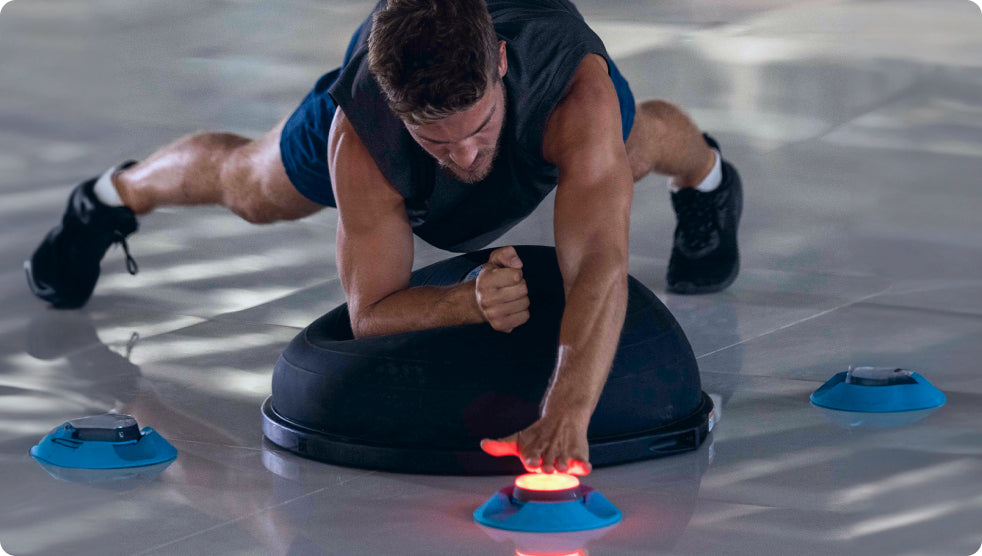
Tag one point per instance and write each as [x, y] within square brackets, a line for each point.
[303, 142]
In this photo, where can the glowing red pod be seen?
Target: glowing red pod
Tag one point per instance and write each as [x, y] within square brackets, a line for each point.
[547, 487]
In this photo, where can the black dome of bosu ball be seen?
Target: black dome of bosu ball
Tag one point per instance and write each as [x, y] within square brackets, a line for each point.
[420, 402]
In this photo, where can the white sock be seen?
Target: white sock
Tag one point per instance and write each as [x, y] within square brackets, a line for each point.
[104, 189]
[711, 182]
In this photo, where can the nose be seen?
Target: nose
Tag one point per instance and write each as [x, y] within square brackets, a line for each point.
[464, 155]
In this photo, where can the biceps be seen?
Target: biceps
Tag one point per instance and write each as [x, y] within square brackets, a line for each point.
[593, 208]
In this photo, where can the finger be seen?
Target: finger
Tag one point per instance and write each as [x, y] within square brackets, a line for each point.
[505, 310]
[562, 465]
[506, 257]
[533, 464]
[578, 467]
[501, 278]
[507, 446]
[549, 463]
[510, 293]
[511, 322]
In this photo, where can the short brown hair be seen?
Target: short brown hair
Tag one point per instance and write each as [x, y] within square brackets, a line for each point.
[433, 58]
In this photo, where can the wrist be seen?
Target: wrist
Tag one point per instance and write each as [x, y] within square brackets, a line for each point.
[568, 408]
[466, 294]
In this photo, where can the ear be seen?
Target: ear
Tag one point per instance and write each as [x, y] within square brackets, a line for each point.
[502, 59]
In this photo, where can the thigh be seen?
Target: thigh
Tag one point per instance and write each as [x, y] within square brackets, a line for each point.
[258, 166]
[286, 169]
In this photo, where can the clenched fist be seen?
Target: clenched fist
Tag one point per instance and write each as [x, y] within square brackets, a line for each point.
[502, 295]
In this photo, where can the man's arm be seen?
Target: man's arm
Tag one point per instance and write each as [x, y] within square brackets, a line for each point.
[375, 249]
[591, 226]
[592, 223]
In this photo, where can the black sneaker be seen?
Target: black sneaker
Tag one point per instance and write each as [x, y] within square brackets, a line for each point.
[64, 268]
[705, 257]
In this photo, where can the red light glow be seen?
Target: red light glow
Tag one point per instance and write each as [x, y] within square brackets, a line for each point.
[546, 481]
[577, 553]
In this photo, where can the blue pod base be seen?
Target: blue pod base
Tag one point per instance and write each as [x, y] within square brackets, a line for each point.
[502, 511]
[917, 394]
[122, 479]
[102, 446]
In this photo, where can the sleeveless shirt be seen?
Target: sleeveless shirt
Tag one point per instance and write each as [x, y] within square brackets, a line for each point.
[545, 41]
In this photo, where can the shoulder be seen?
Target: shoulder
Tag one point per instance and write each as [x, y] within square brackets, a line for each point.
[356, 178]
[587, 113]
[591, 78]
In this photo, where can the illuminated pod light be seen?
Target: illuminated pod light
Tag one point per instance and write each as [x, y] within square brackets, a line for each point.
[547, 487]
[547, 503]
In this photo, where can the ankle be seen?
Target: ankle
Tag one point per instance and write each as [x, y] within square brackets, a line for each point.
[702, 177]
[129, 193]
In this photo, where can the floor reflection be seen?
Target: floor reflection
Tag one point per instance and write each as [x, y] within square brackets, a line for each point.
[198, 479]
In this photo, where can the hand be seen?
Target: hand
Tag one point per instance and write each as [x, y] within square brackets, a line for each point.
[501, 292]
[550, 444]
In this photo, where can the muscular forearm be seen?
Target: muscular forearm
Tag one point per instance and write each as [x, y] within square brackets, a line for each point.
[418, 309]
[596, 304]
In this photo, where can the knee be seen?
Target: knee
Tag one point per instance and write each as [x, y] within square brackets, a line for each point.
[656, 115]
[244, 188]
[657, 106]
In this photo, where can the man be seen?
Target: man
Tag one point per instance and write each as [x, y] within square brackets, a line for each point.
[451, 119]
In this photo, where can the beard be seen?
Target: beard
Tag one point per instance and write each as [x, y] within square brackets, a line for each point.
[481, 168]
[485, 160]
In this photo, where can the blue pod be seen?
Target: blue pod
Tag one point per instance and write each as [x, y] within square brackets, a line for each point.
[878, 390]
[573, 509]
[107, 441]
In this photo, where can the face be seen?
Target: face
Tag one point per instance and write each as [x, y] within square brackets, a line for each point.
[466, 143]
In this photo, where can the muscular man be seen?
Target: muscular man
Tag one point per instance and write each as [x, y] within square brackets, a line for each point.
[450, 119]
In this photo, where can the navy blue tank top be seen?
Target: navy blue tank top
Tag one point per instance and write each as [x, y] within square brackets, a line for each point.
[545, 41]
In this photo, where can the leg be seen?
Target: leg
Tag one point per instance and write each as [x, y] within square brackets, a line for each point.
[705, 256]
[666, 141]
[246, 176]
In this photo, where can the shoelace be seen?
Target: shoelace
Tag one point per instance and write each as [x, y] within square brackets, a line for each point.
[131, 265]
[134, 338]
[696, 221]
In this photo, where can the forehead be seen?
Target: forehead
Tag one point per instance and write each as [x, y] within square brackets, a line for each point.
[462, 124]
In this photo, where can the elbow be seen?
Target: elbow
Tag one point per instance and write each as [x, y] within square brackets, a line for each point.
[358, 317]
[618, 268]
[619, 276]
[617, 263]
[357, 327]
[604, 270]
[614, 261]
[616, 273]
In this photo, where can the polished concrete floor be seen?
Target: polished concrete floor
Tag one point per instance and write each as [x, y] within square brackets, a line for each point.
[857, 126]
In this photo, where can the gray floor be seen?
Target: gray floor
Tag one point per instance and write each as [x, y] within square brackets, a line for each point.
[857, 128]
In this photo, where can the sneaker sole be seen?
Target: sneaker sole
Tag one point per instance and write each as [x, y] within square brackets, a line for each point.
[685, 288]
[45, 293]
[39, 291]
